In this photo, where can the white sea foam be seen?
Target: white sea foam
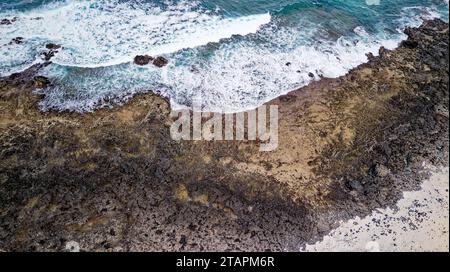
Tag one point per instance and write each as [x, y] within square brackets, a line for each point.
[104, 33]
[251, 75]
[235, 77]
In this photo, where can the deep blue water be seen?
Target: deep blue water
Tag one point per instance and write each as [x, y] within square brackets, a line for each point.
[231, 53]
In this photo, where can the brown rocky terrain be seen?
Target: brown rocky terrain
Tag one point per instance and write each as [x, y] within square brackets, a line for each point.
[113, 180]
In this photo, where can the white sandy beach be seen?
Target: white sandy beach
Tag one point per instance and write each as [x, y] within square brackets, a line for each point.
[420, 223]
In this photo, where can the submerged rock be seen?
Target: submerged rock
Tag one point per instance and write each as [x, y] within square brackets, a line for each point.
[5, 22]
[193, 69]
[8, 21]
[17, 40]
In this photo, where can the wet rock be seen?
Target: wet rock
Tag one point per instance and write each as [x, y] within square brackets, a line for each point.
[319, 73]
[17, 40]
[52, 50]
[5, 22]
[370, 56]
[48, 55]
[382, 51]
[160, 62]
[142, 59]
[26, 77]
[8, 21]
[41, 82]
[410, 44]
[52, 46]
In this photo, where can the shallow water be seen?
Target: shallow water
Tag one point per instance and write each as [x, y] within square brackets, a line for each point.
[233, 54]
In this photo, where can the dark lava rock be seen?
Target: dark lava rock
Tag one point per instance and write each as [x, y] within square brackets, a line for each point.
[52, 50]
[160, 62]
[52, 46]
[48, 55]
[410, 44]
[8, 21]
[382, 51]
[370, 56]
[142, 60]
[5, 22]
[18, 40]
[41, 82]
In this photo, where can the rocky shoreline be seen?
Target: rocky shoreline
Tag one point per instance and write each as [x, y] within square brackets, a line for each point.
[113, 180]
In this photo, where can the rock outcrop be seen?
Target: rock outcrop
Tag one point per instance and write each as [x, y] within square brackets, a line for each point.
[143, 60]
[160, 62]
[146, 59]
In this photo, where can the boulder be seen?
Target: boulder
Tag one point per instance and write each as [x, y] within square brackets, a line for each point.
[160, 62]
[142, 60]
[52, 46]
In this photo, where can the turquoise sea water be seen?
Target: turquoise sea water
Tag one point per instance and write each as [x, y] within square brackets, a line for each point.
[233, 54]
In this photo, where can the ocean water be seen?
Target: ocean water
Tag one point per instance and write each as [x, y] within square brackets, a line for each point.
[234, 54]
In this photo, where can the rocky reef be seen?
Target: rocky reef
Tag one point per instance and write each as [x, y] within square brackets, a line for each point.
[146, 59]
[113, 180]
